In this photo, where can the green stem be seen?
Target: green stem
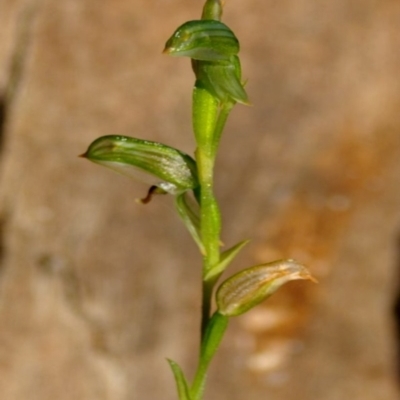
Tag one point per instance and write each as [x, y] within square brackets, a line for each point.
[210, 226]
[205, 122]
[209, 118]
[210, 343]
[210, 219]
[206, 305]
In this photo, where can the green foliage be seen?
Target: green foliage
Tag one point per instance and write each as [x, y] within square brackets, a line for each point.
[181, 384]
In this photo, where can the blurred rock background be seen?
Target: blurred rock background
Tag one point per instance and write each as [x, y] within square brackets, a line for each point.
[96, 290]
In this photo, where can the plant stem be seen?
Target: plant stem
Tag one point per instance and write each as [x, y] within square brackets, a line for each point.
[210, 225]
[206, 305]
[209, 345]
[209, 118]
[210, 219]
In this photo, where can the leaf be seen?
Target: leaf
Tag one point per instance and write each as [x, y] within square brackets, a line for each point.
[226, 258]
[246, 289]
[181, 384]
[190, 219]
[159, 165]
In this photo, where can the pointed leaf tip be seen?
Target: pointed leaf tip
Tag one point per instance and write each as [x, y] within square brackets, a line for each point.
[180, 380]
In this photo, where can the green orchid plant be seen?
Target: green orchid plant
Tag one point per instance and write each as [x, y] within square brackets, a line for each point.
[213, 49]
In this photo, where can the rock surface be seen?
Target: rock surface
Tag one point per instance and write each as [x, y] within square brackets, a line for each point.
[96, 291]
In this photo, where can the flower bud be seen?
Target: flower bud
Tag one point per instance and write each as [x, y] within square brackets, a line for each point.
[212, 10]
[206, 40]
[159, 165]
[246, 289]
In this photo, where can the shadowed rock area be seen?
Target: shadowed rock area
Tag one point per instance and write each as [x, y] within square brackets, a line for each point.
[97, 290]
